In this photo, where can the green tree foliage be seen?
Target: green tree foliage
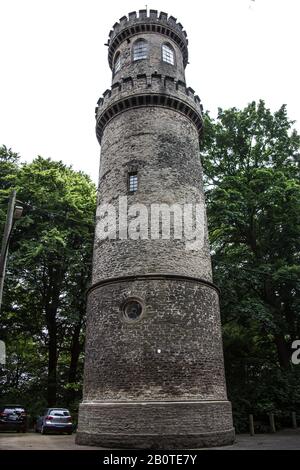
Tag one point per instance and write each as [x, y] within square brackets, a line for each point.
[43, 315]
[251, 167]
[8, 170]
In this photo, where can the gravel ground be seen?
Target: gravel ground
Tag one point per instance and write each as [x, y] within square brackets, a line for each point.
[282, 440]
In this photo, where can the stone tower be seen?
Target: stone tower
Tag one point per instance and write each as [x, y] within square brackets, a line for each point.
[154, 373]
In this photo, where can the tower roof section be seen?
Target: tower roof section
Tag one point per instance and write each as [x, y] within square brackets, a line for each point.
[147, 22]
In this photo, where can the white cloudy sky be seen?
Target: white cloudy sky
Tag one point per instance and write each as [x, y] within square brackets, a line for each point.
[54, 65]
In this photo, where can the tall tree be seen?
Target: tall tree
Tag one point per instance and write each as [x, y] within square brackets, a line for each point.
[251, 166]
[51, 257]
[8, 170]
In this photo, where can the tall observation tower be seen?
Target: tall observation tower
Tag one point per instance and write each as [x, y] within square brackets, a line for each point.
[154, 372]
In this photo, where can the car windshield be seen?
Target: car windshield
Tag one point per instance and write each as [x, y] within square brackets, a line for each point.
[59, 413]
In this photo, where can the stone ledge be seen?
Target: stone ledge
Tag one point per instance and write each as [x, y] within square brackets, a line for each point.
[155, 83]
[169, 276]
[142, 91]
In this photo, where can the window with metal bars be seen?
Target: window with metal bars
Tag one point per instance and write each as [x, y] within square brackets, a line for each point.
[133, 182]
[140, 50]
[167, 54]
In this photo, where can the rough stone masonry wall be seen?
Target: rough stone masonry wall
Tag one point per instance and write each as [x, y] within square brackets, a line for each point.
[148, 90]
[154, 61]
[181, 425]
[162, 145]
[174, 352]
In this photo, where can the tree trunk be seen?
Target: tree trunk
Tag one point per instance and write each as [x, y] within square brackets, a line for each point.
[279, 340]
[75, 352]
[52, 359]
[282, 351]
[76, 345]
[55, 274]
[76, 348]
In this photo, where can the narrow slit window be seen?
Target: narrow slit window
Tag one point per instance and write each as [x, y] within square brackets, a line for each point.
[117, 63]
[167, 54]
[140, 50]
[133, 182]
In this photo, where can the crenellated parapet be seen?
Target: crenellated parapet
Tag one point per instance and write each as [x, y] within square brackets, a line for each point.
[146, 22]
[143, 90]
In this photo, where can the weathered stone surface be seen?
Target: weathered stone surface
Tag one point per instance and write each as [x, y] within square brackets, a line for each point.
[163, 146]
[180, 319]
[160, 425]
[161, 25]
[154, 63]
[157, 381]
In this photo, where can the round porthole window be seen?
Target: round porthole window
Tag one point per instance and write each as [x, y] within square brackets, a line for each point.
[132, 309]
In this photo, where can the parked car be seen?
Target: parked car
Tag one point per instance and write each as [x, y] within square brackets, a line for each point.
[13, 418]
[54, 420]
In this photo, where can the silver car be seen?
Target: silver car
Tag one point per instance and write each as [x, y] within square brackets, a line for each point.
[54, 420]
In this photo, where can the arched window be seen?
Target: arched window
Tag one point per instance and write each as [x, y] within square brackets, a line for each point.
[140, 49]
[168, 54]
[117, 62]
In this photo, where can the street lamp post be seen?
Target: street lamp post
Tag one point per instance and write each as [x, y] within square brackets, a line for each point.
[13, 213]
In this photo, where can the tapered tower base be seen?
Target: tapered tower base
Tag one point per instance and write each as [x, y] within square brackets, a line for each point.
[156, 425]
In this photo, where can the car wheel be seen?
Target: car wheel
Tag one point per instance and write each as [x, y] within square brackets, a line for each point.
[70, 432]
[43, 431]
[36, 429]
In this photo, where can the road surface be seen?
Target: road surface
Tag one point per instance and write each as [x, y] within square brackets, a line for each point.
[283, 440]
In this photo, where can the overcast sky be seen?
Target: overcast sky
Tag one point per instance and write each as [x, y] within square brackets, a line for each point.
[54, 65]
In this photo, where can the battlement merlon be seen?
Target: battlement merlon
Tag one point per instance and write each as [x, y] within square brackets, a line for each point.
[143, 90]
[145, 22]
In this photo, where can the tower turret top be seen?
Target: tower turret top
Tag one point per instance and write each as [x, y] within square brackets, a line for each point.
[147, 22]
